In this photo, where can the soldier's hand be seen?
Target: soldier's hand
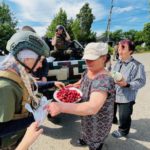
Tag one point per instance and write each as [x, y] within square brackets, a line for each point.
[59, 84]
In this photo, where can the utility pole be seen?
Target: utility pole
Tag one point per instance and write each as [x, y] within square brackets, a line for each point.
[109, 21]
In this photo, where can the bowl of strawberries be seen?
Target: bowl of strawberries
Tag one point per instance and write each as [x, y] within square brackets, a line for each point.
[68, 95]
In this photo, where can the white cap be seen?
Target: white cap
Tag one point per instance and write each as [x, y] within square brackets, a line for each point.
[94, 50]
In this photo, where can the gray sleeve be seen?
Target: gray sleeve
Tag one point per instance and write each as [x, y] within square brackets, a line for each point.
[139, 79]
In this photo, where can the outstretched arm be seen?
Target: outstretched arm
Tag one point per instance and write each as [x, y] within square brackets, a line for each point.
[31, 135]
[91, 107]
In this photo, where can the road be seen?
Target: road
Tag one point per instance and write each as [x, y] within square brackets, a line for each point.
[63, 134]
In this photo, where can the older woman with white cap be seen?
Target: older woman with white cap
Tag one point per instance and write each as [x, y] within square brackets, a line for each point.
[96, 107]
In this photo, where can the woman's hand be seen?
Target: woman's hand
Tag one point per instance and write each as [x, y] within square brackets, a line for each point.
[59, 84]
[53, 109]
[76, 84]
[44, 79]
[122, 83]
[70, 85]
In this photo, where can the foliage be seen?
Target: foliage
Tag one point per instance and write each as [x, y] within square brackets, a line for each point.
[79, 28]
[76, 29]
[7, 25]
[110, 50]
[140, 49]
[130, 34]
[85, 24]
[69, 28]
[59, 19]
[116, 36]
[138, 39]
[146, 34]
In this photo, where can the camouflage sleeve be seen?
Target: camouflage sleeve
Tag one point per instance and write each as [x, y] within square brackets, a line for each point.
[7, 103]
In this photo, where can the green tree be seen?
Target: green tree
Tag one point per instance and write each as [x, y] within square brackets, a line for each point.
[85, 18]
[130, 34]
[117, 35]
[69, 28]
[146, 34]
[76, 29]
[138, 39]
[59, 19]
[7, 25]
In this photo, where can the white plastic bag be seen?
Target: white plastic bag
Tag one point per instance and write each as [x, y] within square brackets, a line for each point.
[40, 113]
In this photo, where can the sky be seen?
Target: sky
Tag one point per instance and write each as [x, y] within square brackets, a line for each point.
[126, 14]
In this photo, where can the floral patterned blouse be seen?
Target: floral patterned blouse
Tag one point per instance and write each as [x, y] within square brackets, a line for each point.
[95, 128]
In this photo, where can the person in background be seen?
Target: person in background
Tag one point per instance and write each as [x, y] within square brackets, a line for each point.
[115, 52]
[32, 133]
[108, 62]
[61, 42]
[126, 89]
[42, 73]
[96, 106]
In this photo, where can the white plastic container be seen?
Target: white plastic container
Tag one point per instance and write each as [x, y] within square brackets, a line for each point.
[117, 76]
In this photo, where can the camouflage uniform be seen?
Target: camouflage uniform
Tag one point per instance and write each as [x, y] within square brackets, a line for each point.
[61, 49]
[13, 121]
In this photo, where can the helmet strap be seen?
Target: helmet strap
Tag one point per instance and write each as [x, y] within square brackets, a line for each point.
[30, 69]
[36, 62]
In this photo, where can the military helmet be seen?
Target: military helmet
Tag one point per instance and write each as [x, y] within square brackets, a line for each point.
[60, 27]
[27, 40]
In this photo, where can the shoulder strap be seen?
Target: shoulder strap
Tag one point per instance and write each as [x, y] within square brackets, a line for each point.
[16, 78]
[12, 76]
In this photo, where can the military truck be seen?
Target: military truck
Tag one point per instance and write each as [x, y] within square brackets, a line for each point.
[67, 71]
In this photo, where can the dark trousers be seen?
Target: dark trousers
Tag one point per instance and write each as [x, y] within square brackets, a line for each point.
[99, 148]
[125, 112]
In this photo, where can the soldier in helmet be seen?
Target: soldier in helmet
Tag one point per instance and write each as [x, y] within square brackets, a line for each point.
[61, 42]
[27, 52]
[41, 73]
